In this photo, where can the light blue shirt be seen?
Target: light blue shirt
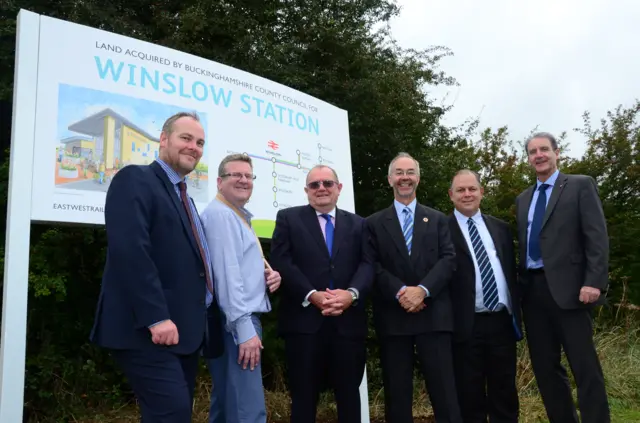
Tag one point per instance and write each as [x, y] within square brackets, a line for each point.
[399, 210]
[239, 279]
[496, 266]
[174, 178]
[532, 264]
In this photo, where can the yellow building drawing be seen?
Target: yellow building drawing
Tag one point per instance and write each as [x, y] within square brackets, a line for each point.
[112, 140]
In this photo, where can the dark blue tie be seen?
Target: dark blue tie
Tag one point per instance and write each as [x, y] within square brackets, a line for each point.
[536, 223]
[487, 277]
[328, 230]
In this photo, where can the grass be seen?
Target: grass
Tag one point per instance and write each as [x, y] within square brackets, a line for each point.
[618, 348]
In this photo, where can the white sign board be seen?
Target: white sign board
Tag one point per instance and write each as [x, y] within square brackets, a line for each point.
[102, 99]
[88, 102]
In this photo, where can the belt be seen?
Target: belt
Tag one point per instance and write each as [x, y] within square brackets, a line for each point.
[537, 271]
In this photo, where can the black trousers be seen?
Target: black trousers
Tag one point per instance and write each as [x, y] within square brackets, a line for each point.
[485, 369]
[436, 365]
[325, 358]
[549, 329]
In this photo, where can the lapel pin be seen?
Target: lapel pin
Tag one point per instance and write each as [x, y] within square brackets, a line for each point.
[425, 219]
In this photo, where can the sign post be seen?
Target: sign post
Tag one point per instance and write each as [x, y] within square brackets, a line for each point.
[16, 254]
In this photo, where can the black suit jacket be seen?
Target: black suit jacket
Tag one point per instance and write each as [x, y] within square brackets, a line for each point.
[300, 254]
[463, 286]
[153, 270]
[431, 264]
[573, 239]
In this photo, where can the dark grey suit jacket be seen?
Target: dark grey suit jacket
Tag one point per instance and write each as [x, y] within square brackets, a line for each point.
[431, 264]
[573, 239]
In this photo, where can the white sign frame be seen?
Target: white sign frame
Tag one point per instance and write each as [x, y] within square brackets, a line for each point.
[18, 230]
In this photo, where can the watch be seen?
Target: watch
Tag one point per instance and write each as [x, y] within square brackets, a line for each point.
[354, 297]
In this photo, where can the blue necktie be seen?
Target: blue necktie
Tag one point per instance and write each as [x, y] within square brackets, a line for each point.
[328, 230]
[488, 279]
[536, 223]
[407, 228]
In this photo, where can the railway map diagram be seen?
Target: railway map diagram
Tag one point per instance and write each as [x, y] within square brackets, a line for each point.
[288, 176]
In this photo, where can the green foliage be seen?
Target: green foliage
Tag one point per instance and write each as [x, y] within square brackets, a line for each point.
[340, 52]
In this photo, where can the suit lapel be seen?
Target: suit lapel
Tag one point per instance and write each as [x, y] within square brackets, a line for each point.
[311, 223]
[558, 187]
[523, 214]
[392, 225]
[497, 240]
[339, 232]
[458, 237]
[168, 186]
[420, 225]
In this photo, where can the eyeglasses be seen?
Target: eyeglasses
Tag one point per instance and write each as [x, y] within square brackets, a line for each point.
[327, 183]
[238, 175]
[410, 172]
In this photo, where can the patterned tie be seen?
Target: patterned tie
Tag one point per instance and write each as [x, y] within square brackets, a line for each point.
[536, 223]
[488, 279]
[187, 208]
[407, 228]
[328, 230]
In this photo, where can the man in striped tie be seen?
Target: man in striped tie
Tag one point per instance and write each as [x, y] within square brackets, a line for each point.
[415, 260]
[486, 307]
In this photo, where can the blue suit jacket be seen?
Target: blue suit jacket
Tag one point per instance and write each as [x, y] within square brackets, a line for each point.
[153, 269]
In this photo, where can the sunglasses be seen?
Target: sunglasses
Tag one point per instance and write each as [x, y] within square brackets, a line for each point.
[327, 183]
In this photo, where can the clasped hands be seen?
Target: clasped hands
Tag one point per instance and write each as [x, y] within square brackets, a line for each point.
[332, 302]
[411, 298]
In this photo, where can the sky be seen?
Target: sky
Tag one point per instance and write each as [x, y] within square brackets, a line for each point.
[77, 103]
[529, 64]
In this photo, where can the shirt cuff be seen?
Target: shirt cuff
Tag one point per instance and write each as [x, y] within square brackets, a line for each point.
[156, 323]
[398, 294]
[243, 330]
[306, 302]
[425, 290]
[355, 291]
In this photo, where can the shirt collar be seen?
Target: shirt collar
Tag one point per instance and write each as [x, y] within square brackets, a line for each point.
[332, 213]
[173, 176]
[399, 206]
[551, 181]
[464, 219]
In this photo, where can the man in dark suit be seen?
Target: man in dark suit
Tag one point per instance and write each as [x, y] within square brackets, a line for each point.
[322, 255]
[564, 254]
[156, 308]
[415, 260]
[486, 307]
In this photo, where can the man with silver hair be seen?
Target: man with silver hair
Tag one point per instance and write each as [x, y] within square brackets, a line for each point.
[415, 260]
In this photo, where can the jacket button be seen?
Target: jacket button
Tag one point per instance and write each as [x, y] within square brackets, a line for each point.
[202, 274]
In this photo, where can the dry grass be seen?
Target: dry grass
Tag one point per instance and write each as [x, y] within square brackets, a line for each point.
[618, 348]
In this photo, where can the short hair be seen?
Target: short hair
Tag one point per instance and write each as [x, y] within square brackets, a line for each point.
[545, 135]
[400, 156]
[321, 166]
[236, 157]
[467, 172]
[167, 128]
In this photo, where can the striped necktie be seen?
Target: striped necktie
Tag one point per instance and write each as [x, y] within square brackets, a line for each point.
[407, 228]
[488, 279]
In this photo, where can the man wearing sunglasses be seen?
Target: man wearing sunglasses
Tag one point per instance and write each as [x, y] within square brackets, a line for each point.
[412, 310]
[322, 254]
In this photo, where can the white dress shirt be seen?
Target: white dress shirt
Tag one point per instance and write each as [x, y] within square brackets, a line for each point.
[485, 236]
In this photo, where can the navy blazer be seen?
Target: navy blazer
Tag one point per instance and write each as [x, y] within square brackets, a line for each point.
[153, 270]
[300, 254]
